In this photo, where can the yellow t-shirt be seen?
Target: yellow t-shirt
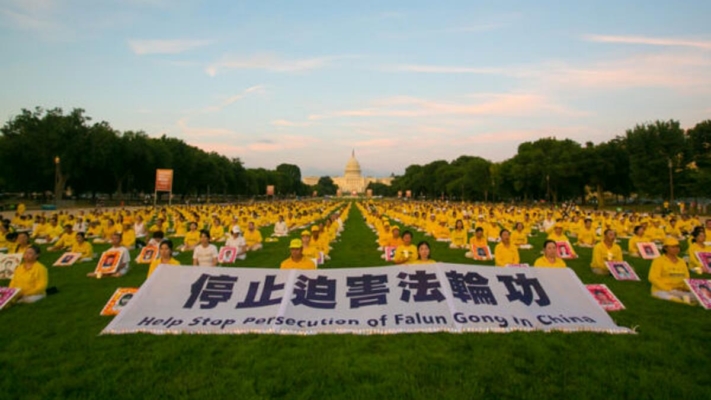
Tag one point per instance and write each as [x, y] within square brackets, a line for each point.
[519, 238]
[665, 275]
[192, 238]
[405, 254]
[31, 282]
[418, 261]
[459, 237]
[542, 262]
[694, 262]
[252, 237]
[601, 254]
[632, 244]
[586, 236]
[128, 238]
[217, 232]
[305, 263]
[504, 255]
[155, 263]
[86, 249]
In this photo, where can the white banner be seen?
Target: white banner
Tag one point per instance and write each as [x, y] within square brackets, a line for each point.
[416, 298]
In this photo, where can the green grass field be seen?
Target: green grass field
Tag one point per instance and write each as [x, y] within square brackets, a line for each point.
[52, 349]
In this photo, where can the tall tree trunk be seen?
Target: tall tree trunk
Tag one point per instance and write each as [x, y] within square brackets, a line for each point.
[600, 196]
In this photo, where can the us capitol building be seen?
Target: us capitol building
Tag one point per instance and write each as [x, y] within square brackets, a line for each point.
[352, 180]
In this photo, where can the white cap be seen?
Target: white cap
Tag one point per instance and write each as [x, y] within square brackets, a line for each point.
[235, 229]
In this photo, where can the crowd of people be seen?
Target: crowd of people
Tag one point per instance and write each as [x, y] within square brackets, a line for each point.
[469, 228]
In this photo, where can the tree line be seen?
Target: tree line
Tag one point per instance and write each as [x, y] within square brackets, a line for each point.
[652, 160]
[43, 149]
[48, 149]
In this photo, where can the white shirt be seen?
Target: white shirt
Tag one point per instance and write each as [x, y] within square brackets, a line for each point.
[237, 242]
[280, 228]
[140, 229]
[205, 256]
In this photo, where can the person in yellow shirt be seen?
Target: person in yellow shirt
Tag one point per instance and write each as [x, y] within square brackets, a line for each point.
[638, 237]
[384, 236]
[297, 260]
[217, 231]
[94, 230]
[82, 246]
[395, 240]
[192, 238]
[519, 237]
[550, 257]
[476, 241]
[557, 235]
[22, 244]
[65, 241]
[586, 235]
[166, 257]
[440, 231]
[423, 254]
[308, 249]
[406, 253]
[605, 250]
[667, 274]
[698, 244]
[30, 277]
[320, 241]
[52, 232]
[253, 237]
[180, 226]
[128, 237]
[458, 236]
[505, 252]
[673, 230]
[655, 233]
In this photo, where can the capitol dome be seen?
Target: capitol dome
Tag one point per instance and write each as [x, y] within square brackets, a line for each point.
[353, 167]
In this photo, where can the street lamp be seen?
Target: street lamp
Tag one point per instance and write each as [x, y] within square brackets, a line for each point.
[57, 188]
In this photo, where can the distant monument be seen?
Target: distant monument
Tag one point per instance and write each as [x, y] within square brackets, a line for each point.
[352, 180]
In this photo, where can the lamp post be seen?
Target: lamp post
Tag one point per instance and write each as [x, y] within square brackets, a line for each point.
[57, 186]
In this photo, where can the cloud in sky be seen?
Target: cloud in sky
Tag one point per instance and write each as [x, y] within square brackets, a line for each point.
[509, 105]
[173, 46]
[651, 41]
[271, 63]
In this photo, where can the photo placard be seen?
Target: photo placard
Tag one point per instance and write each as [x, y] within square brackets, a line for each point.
[67, 259]
[701, 288]
[605, 298]
[227, 255]
[8, 263]
[118, 301]
[108, 263]
[147, 255]
[8, 296]
[648, 250]
[622, 270]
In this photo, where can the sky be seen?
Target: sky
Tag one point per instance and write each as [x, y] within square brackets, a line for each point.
[401, 83]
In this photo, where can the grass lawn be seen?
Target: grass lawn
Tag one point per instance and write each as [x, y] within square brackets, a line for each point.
[51, 349]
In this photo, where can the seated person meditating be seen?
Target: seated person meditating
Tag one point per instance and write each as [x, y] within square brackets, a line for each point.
[605, 250]
[550, 257]
[297, 260]
[406, 253]
[30, 277]
[667, 274]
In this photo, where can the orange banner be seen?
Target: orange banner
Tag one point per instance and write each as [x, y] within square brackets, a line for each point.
[164, 180]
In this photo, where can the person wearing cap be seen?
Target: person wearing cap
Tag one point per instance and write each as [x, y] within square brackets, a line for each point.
[667, 274]
[237, 241]
[307, 248]
[297, 260]
[550, 258]
[253, 237]
[605, 250]
[505, 252]
[406, 253]
[280, 228]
